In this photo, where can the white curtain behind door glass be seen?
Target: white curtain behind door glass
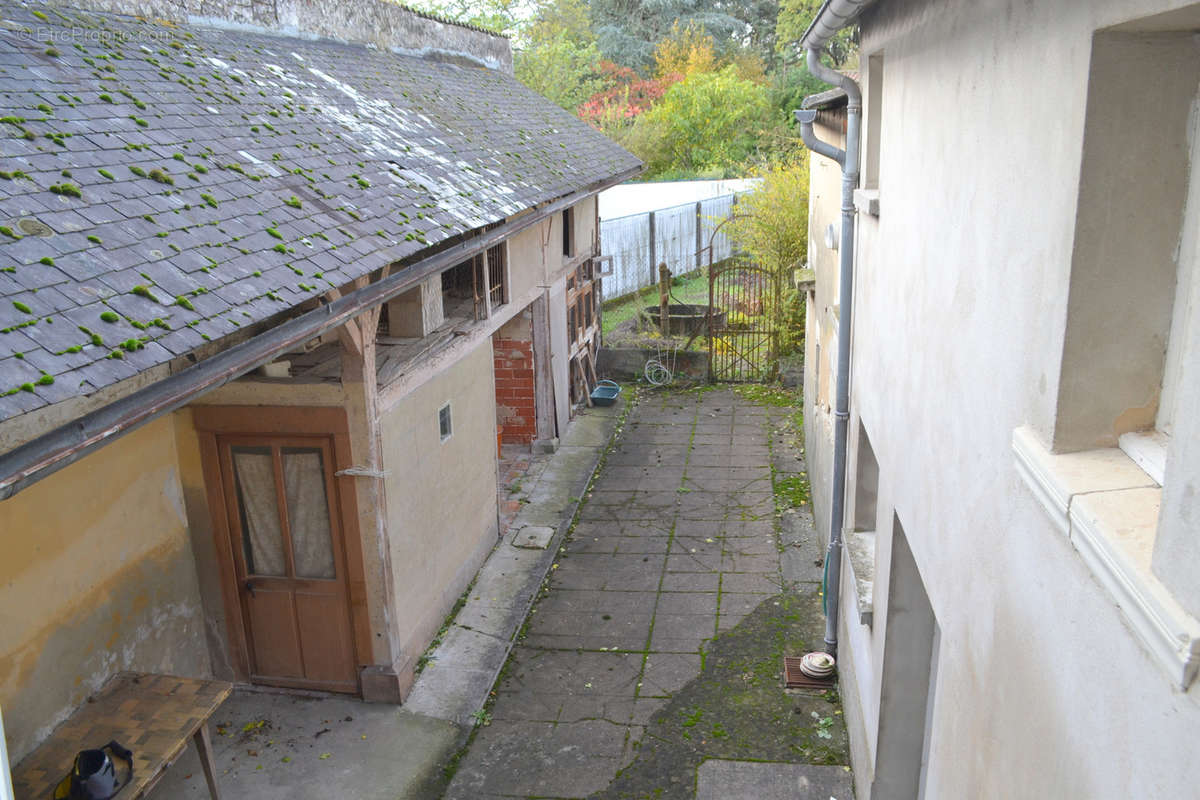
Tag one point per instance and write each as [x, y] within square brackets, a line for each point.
[260, 510]
[308, 514]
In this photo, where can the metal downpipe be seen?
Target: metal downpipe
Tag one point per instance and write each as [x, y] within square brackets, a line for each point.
[849, 160]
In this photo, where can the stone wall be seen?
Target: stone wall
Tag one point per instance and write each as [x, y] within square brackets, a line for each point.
[386, 25]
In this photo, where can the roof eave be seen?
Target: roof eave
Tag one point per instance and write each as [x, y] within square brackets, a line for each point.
[831, 18]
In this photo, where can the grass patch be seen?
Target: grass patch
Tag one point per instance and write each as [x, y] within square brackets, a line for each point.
[691, 289]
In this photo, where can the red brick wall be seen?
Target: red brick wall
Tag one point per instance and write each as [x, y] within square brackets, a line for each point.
[514, 389]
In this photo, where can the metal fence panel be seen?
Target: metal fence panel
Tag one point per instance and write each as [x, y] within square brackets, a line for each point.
[678, 235]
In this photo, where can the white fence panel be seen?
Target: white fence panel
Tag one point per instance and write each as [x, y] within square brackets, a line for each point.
[678, 236]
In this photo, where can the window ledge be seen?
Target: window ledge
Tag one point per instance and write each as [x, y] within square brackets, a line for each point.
[860, 549]
[1108, 509]
[867, 201]
[1147, 449]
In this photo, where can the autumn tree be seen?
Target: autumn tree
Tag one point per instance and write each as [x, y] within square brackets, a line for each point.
[771, 226]
[559, 58]
[708, 124]
[772, 222]
[627, 95]
[628, 31]
[795, 16]
[686, 51]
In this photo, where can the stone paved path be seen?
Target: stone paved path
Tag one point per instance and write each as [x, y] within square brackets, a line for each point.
[675, 544]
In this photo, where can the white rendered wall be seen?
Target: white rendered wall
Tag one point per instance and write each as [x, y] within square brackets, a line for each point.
[961, 298]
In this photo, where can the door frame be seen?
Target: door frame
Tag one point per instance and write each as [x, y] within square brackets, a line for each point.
[325, 421]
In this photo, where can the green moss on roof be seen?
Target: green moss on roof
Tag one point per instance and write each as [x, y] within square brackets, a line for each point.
[66, 189]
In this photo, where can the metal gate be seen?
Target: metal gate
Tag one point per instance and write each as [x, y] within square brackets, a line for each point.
[743, 334]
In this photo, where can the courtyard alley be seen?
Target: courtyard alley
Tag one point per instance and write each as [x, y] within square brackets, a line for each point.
[651, 666]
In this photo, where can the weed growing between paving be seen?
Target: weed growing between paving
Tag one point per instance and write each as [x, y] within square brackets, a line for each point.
[738, 709]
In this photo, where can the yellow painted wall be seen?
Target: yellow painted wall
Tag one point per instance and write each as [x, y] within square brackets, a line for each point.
[97, 576]
[441, 496]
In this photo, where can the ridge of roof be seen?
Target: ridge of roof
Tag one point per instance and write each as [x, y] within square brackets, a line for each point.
[447, 20]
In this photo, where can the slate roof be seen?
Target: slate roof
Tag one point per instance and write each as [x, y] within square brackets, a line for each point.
[188, 181]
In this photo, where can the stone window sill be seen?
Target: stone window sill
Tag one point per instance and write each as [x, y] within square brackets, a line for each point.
[1107, 507]
[860, 551]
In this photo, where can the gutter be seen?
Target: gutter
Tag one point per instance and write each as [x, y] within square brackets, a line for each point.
[833, 16]
[41, 457]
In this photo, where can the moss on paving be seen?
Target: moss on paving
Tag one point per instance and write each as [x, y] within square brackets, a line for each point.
[737, 708]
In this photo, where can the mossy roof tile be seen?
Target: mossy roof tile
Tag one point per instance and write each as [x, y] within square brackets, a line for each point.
[396, 136]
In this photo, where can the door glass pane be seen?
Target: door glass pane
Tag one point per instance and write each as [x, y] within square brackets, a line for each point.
[262, 541]
[308, 512]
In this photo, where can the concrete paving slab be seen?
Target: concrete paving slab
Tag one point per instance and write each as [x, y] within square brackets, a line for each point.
[751, 546]
[741, 562]
[691, 581]
[721, 780]
[673, 626]
[661, 643]
[803, 558]
[700, 528]
[694, 562]
[596, 629]
[276, 746]
[532, 537]
[750, 582]
[748, 527]
[565, 598]
[617, 709]
[539, 759]
[569, 671]
[665, 673]
[617, 514]
[523, 706]
[687, 603]
[640, 545]
[741, 602]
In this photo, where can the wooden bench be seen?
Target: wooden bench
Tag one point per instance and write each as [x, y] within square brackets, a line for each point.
[152, 715]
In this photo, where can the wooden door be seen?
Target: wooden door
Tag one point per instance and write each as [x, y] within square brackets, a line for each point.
[289, 560]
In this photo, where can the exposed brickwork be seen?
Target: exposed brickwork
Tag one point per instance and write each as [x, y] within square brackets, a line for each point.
[515, 408]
